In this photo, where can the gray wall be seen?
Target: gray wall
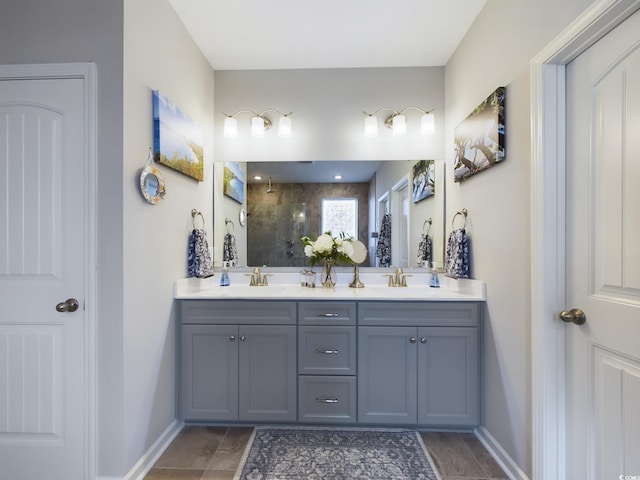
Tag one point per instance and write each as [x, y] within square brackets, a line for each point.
[158, 52]
[499, 46]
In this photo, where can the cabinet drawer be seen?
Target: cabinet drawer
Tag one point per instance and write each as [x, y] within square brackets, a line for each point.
[326, 399]
[238, 312]
[327, 313]
[419, 314]
[329, 350]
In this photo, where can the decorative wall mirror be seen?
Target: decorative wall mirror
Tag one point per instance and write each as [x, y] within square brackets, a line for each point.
[151, 182]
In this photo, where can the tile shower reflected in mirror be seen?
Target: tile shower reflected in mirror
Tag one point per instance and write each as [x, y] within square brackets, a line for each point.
[280, 215]
[274, 232]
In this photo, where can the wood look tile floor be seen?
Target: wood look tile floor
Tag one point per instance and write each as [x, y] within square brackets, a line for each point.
[213, 453]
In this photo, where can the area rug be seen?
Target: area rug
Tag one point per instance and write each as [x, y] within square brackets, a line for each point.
[306, 453]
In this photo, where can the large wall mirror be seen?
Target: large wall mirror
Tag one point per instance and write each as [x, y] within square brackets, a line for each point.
[285, 201]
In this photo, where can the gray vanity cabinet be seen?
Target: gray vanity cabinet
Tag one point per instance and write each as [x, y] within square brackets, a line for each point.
[335, 362]
[410, 372]
[237, 361]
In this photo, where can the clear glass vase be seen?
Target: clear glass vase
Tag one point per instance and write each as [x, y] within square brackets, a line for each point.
[329, 276]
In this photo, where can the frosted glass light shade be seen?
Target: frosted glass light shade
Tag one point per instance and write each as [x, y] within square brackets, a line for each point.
[230, 127]
[427, 124]
[284, 127]
[399, 125]
[257, 127]
[371, 126]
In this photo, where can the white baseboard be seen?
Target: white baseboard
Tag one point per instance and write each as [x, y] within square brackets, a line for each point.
[511, 468]
[150, 457]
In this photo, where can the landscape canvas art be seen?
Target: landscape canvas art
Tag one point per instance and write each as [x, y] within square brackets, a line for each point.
[479, 139]
[233, 181]
[177, 139]
[424, 180]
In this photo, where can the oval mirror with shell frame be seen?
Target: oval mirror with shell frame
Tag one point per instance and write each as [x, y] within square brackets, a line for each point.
[152, 184]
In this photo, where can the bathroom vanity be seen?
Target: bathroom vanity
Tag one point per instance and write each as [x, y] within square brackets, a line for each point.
[371, 356]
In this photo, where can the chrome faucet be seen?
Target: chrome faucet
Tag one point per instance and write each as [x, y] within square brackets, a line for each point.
[399, 279]
[258, 279]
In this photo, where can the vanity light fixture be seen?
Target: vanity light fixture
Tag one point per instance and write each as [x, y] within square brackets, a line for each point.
[398, 122]
[260, 123]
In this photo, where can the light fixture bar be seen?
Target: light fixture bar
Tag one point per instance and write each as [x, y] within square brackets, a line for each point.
[260, 123]
[397, 121]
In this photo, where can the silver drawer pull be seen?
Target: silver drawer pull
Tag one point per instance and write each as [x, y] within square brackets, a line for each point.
[326, 400]
[328, 315]
[327, 352]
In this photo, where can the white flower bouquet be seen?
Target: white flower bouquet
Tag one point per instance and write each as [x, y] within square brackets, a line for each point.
[330, 249]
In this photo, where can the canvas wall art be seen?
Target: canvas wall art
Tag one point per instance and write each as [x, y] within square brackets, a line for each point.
[479, 139]
[233, 181]
[177, 139]
[424, 180]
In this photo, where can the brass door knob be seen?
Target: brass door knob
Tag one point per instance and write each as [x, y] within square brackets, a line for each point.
[70, 305]
[575, 315]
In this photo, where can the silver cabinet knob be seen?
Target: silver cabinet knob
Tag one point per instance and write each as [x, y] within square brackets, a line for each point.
[232, 338]
[70, 305]
[413, 340]
[242, 338]
[423, 340]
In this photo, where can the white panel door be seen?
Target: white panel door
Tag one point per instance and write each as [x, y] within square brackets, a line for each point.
[603, 257]
[42, 264]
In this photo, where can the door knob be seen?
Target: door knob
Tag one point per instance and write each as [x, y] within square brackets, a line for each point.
[575, 315]
[70, 305]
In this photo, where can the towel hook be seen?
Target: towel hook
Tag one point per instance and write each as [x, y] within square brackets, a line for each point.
[429, 221]
[194, 214]
[227, 222]
[464, 212]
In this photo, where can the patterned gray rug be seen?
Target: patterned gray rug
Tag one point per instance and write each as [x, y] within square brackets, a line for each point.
[307, 453]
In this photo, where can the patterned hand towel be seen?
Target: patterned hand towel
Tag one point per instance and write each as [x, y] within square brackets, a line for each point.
[457, 264]
[198, 260]
[383, 248]
[425, 251]
[229, 250]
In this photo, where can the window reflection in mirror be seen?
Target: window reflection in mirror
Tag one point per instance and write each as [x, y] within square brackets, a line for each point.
[292, 207]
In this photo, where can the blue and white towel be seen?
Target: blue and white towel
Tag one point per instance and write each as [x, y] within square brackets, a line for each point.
[383, 248]
[457, 263]
[229, 250]
[425, 251]
[199, 260]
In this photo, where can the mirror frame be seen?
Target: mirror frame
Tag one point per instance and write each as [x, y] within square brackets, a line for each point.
[222, 205]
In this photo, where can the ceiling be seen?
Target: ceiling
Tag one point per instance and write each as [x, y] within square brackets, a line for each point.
[288, 34]
[312, 172]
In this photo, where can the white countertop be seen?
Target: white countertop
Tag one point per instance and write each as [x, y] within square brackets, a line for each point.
[285, 286]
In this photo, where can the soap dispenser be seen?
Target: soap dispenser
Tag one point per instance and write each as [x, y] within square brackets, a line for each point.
[435, 280]
[224, 278]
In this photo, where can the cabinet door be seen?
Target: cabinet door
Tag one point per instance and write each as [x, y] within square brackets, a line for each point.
[387, 369]
[448, 376]
[267, 380]
[209, 372]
